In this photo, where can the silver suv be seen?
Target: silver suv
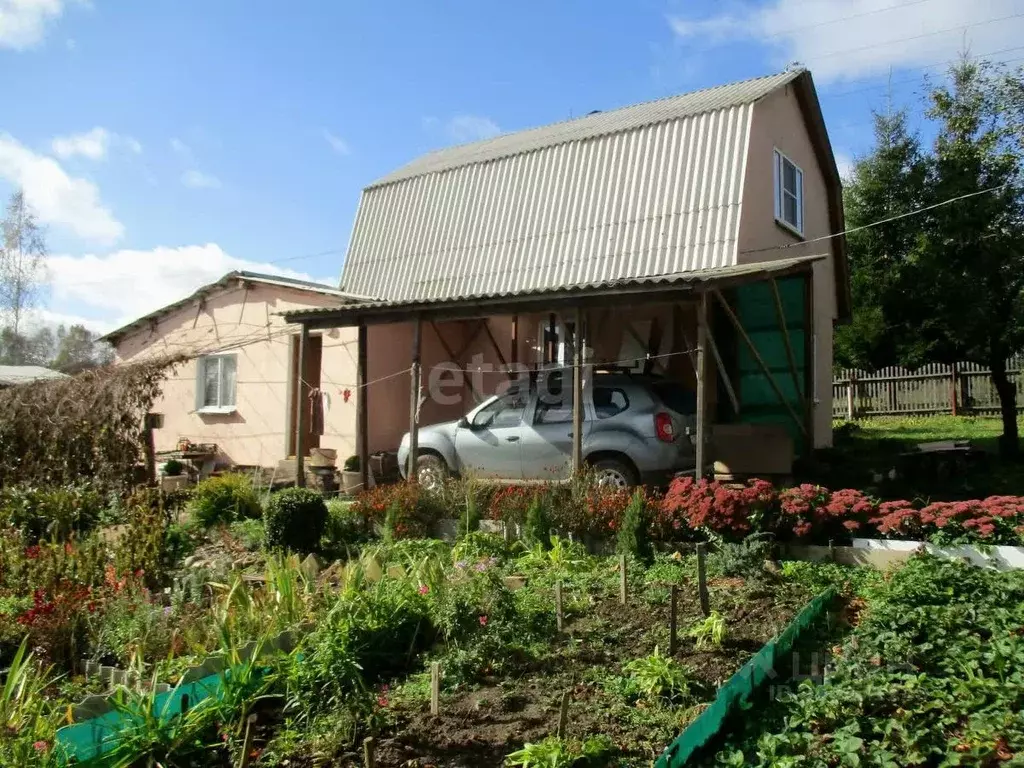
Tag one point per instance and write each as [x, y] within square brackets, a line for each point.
[636, 429]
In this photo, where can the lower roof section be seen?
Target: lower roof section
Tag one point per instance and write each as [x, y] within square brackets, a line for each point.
[657, 288]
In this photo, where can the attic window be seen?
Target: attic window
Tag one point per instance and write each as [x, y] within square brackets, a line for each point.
[789, 193]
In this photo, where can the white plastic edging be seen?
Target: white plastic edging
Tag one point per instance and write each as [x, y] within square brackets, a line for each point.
[999, 557]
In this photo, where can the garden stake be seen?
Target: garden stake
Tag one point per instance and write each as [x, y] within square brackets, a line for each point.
[369, 752]
[702, 581]
[563, 716]
[435, 688]
[558, 605]
[831, 550]
[672, 621]
[622, 579]
[243, 761]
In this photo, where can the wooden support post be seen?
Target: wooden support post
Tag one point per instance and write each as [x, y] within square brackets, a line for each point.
[851, 397]
[563, 715]
[623, 586]
[150, 448]
[558, 605]
[362, 419]
[702, 580]
[577, 395]
[673, 621]
[952, 389]
[414, 400]
[435, 687]
[369, 752]
[760, 362]
[513, 353]
[702, 397]
[301, 411]
[243, 760]
[780, 315]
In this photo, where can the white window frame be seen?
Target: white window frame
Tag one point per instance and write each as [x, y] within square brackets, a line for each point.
[226, 402]
[778, 164]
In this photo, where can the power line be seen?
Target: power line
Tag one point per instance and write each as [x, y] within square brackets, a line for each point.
[877, 223]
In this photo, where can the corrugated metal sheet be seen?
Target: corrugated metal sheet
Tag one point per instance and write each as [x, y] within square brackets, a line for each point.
[709, 277]
[653, 189]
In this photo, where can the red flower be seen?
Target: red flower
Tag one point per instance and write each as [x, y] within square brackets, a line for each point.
[483, 621]
[40, 746]
[424, 589]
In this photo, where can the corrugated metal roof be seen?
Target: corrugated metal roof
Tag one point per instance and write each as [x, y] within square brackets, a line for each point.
[710, 277]
[652, 189]
[11, 375]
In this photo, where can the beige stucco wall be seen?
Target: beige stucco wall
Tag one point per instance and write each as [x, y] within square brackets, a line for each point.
[778, 124]
[246, 322]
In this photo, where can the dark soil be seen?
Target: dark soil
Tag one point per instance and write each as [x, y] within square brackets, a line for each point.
[479, 727]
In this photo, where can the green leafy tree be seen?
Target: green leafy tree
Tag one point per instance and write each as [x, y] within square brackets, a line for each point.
[887, 182]
[967, 301]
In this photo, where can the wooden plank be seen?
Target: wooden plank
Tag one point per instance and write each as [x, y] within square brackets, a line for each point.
[702, 397]
[301, 410]
[720, 366]
[362, 419]
[414, 401]
[577, 393]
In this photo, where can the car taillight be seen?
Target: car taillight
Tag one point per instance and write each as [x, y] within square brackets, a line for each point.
[663, 427]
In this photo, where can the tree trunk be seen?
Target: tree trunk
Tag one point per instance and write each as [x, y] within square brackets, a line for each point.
[1009, 442]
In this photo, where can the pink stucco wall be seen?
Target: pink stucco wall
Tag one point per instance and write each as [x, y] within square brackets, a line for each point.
[246, 322]
[778, 124]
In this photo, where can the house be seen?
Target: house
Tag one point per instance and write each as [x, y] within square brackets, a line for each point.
[13, 375]
[239, 382]
[699, 236]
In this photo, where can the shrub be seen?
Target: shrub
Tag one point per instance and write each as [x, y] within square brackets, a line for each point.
[251, 534]
[51, 512]
[745, 559]
[510, 503]
[173, 468]
[222, 499]
[633, 539]
[351, 464]
[537, 529]
[295, 519]
[800, 509]
[413, 512]
[344, 525]
[732, 513]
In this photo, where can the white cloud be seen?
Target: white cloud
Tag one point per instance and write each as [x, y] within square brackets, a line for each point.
[847, 39]
[127, 284]
[23, 22]
[199, 180]
[844, 161]
[466, 128]
[181, 149]
[94, 144]
[337, 143]
[58, 198]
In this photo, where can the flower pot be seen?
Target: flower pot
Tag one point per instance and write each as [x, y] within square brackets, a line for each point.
[351, 482]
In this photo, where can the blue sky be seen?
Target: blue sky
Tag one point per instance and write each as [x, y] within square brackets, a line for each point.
[165, 142]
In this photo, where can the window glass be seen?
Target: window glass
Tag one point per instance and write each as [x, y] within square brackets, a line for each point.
[789, 192]
[217, 381]
[609, 401]
[506, 411]
[554, 405]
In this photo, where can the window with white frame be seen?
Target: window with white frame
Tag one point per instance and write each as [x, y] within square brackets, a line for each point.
[215, 383]
[789, 193]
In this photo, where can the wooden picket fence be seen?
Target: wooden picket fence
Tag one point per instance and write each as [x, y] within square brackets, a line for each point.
[962, 388]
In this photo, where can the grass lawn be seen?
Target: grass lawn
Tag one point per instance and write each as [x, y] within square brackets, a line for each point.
[866, 451]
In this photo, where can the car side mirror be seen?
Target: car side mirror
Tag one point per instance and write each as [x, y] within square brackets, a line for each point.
[463, 423]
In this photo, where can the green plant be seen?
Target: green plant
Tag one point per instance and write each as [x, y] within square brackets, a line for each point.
[295, 519]
[745, 559]
[709, 633]
[469, 520]
[344, 527]
[552, 752]
[51, 512]
[657, 677]
[249, 533]
[27, 717]
[222, 499]
[173, 468]
[633, 539]
[537, 529]
[351, 464]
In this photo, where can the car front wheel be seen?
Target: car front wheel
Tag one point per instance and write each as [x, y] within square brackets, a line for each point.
[614, 474]
[430, 471]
